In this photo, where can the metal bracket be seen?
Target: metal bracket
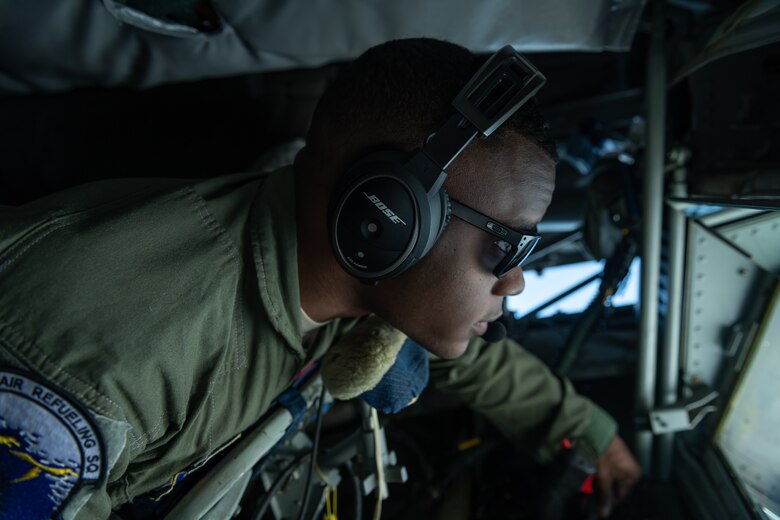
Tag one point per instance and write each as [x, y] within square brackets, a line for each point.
[394, 473]
[686, 414]
[367, 463]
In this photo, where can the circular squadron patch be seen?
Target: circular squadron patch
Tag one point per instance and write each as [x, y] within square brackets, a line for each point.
[49, 447]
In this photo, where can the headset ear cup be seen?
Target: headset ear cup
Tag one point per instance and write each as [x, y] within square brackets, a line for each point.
[378, 188]
[374, 218]
[446, 212]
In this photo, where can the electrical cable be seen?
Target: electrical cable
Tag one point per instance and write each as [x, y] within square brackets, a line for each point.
[283, 476]
[380, 466]
[615, 270]
[357, 490]
[315, 448]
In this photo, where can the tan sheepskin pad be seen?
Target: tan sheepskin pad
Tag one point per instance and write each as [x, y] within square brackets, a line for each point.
[359, 360]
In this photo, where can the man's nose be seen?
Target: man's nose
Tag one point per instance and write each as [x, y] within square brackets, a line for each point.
[511, 284]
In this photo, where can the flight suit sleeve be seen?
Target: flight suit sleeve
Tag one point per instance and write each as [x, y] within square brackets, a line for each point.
[524, 399]
[123, 300]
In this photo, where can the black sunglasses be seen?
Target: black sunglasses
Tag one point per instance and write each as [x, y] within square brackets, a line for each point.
[516, 245]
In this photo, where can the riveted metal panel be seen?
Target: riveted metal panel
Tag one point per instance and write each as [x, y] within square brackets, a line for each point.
[759, 237]
[721, 281]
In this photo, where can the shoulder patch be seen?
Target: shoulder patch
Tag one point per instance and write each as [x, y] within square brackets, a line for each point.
[49, 448]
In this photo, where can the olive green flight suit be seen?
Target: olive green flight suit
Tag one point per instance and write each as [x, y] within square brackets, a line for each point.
[170, 310]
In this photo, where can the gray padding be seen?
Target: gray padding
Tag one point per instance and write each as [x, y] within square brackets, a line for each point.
[56, 44]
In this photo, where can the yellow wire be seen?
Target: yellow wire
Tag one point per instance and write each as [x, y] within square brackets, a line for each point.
[322, 475]
[331, 504]
[469, 443]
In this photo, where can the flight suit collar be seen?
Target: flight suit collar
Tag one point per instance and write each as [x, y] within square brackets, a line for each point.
[275, 249]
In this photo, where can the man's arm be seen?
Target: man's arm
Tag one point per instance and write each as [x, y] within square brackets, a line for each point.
[523, 398]
[537, 409]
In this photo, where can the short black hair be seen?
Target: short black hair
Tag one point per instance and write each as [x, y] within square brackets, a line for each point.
[402, 90]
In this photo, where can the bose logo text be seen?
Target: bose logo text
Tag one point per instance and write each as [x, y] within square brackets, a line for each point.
[395, 219]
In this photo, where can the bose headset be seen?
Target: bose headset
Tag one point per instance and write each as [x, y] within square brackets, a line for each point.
[392, 206]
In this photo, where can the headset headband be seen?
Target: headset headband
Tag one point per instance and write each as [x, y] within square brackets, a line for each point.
[499, 88]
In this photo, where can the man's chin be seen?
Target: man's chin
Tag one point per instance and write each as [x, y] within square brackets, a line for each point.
[447, 349]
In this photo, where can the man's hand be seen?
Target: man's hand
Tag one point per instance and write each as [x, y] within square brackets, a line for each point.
[616, 473]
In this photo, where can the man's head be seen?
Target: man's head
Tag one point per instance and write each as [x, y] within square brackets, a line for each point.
[392, 97]
[395, 94]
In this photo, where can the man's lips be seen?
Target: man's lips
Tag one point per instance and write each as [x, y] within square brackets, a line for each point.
[482, 325]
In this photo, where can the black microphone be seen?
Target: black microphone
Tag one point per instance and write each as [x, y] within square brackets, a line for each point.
[496, 331]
